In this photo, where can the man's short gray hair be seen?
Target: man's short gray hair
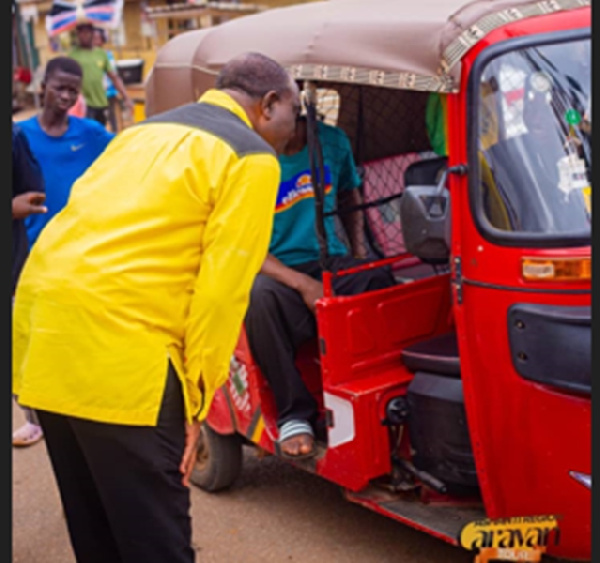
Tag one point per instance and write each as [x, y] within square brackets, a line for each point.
[254, 74]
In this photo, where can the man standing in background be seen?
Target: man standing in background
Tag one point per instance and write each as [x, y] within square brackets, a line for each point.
[96, 65]
[111, 91]
[27, 199]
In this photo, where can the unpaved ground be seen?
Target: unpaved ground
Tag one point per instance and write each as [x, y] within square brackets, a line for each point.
[274, 513]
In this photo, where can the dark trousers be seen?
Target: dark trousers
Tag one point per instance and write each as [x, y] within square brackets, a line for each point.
[278, 322]
[113, 104]
[97, 114]
[121, 487]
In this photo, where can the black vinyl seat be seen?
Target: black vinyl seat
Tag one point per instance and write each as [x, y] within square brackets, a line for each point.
[436, 355]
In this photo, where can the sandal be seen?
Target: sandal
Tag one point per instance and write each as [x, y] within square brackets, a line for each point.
[27, 435]
[301, 432]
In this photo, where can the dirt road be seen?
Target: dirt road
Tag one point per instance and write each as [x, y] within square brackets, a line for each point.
[274, 513]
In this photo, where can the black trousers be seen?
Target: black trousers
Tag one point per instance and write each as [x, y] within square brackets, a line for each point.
[113, 104]
[278, 322]
[121, 487]
[97, 114]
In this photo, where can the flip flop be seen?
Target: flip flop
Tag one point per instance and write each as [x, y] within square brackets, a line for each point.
[27, 435]
[294, 429]
[307, 455]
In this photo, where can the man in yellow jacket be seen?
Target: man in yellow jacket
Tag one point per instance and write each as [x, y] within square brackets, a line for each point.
[131, 302]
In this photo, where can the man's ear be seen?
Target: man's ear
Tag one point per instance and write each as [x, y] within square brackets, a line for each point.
[267, 104]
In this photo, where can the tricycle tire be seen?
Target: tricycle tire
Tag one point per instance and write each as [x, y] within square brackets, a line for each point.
[219, 460]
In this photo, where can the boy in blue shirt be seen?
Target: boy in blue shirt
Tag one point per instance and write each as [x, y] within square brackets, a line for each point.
[64, 145]
[280, 316]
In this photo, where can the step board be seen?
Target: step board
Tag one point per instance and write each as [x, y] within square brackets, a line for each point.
[444, 521]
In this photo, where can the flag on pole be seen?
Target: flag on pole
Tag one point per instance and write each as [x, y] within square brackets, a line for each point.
[66, 14]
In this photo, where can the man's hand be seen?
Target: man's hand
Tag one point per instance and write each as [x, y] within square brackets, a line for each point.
[128, 105]
[310, 290]
[27, 204]
[120, 86]
[192, 435]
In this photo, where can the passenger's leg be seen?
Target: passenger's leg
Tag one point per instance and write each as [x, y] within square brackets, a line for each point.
[277, 322]
[361, 282]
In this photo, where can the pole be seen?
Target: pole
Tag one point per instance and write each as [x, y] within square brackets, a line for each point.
[26, 33]
[317, 171]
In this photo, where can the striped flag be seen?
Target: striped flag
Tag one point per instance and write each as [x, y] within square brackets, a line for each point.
[66, 14]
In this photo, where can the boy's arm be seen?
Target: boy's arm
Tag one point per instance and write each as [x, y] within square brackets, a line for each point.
[117, 82]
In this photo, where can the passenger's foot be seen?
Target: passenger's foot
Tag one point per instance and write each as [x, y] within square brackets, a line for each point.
[296, 440]
[27, 435]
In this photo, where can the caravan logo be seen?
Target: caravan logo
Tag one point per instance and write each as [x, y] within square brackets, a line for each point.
[523, 538]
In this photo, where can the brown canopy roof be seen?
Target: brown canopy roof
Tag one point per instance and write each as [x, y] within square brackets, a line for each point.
[392, 43]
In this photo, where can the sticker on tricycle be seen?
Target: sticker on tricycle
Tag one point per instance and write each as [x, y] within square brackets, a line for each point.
[522, 538]
[587, 198]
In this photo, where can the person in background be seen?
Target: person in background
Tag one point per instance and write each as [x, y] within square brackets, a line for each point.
[27, 199]
[64, 145]
[96, 66]
[79, 109]
[111, 92]
[131, 302]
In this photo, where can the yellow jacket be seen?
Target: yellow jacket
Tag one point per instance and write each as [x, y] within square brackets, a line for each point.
[152, 259]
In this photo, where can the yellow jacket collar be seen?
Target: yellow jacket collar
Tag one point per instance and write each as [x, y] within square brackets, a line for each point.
[220, 98]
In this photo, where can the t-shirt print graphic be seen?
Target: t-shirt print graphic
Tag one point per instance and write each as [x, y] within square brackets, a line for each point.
[299, 188]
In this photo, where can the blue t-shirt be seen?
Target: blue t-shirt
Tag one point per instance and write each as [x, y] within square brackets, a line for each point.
[294, 239]
[111, 91]
[62, 160]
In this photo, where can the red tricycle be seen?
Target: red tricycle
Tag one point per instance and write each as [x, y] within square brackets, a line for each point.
[463, 392]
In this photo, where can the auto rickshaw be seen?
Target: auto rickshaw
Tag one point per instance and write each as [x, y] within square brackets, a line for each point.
[463, 392]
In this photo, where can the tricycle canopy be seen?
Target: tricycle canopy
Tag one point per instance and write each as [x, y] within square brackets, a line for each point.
[398, 45]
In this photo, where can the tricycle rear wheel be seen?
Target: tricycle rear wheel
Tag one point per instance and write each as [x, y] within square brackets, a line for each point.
[219, 460]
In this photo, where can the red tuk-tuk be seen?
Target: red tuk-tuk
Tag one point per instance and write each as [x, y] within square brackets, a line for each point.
[463, 392]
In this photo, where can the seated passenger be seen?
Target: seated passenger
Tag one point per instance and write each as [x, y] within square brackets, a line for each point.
[280, 316]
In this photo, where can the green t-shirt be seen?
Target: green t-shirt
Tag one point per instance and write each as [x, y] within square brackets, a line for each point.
[95, 64]
[294, 238]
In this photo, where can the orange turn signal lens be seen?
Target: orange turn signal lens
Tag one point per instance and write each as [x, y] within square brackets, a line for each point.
[557, 269]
